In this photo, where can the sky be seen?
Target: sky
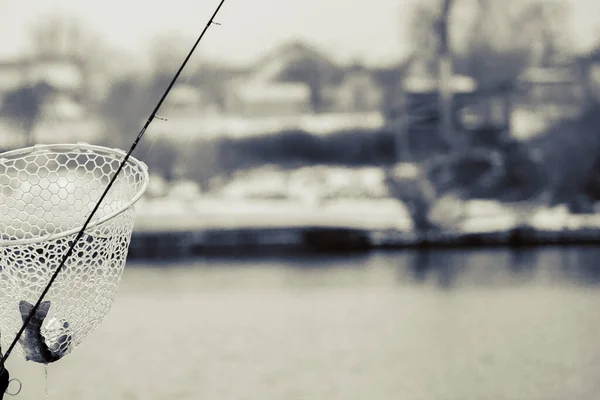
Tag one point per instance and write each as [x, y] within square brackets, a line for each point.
[371, 30]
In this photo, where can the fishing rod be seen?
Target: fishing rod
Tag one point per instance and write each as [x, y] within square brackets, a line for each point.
[110, 184]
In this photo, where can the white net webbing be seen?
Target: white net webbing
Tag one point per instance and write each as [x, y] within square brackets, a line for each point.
[46, 194]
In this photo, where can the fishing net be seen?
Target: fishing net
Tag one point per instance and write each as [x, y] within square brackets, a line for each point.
[46, 194]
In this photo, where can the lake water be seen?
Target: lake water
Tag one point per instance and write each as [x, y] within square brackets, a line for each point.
[448, 325]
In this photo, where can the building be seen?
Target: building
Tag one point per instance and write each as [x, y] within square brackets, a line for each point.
[63, 79]
[358, 92]
[419, 123]
[273, 87]
[255, 98]
[545, 96]
[58, 84]
[279, 93]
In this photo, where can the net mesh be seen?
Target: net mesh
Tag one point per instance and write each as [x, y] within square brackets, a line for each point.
[46, 194]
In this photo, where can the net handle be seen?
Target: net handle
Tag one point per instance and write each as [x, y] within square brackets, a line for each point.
[90, 148]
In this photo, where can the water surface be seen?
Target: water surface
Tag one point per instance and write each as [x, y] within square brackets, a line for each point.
[449, 325]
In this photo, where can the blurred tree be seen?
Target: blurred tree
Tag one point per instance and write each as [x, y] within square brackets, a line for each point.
[23, 107]
[422, 36]
[499, 40]
[128, 104]
[117, 105]
[417, 193]
[445, 74]
[494, 41]
[569, 153]
[162, 157]
[125, 107]
[61, 37]
[207, 159]
[303, 64]
[168, 52]
[212, 80]
[507, 38]
[429, 31]
[491, 41]
[547, 31]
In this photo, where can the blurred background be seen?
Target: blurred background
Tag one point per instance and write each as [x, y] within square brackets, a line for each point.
[347, 200]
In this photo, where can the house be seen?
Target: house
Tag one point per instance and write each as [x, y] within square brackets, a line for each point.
[288, 81]
[545, 95]
[63, 77]
[61, 73]
[58, 84]
[296, 62]
[187, 100]
[357, 92]
[268, 99]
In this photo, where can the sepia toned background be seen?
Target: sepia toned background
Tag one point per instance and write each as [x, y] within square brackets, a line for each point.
[348, 200]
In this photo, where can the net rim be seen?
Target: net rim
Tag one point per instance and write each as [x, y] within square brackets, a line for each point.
[102, 150]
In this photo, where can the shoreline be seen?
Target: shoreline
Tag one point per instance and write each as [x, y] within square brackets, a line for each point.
[216, 227]
[248, 241]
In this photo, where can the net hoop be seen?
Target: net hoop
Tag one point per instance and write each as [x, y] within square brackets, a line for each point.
[117, 154]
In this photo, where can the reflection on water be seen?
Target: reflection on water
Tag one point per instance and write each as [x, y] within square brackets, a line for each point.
[436, 324]
[440, 266]
[505, 267]
[523, 261]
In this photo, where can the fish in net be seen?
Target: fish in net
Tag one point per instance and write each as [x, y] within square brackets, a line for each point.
[39, 346]
[47, 193]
